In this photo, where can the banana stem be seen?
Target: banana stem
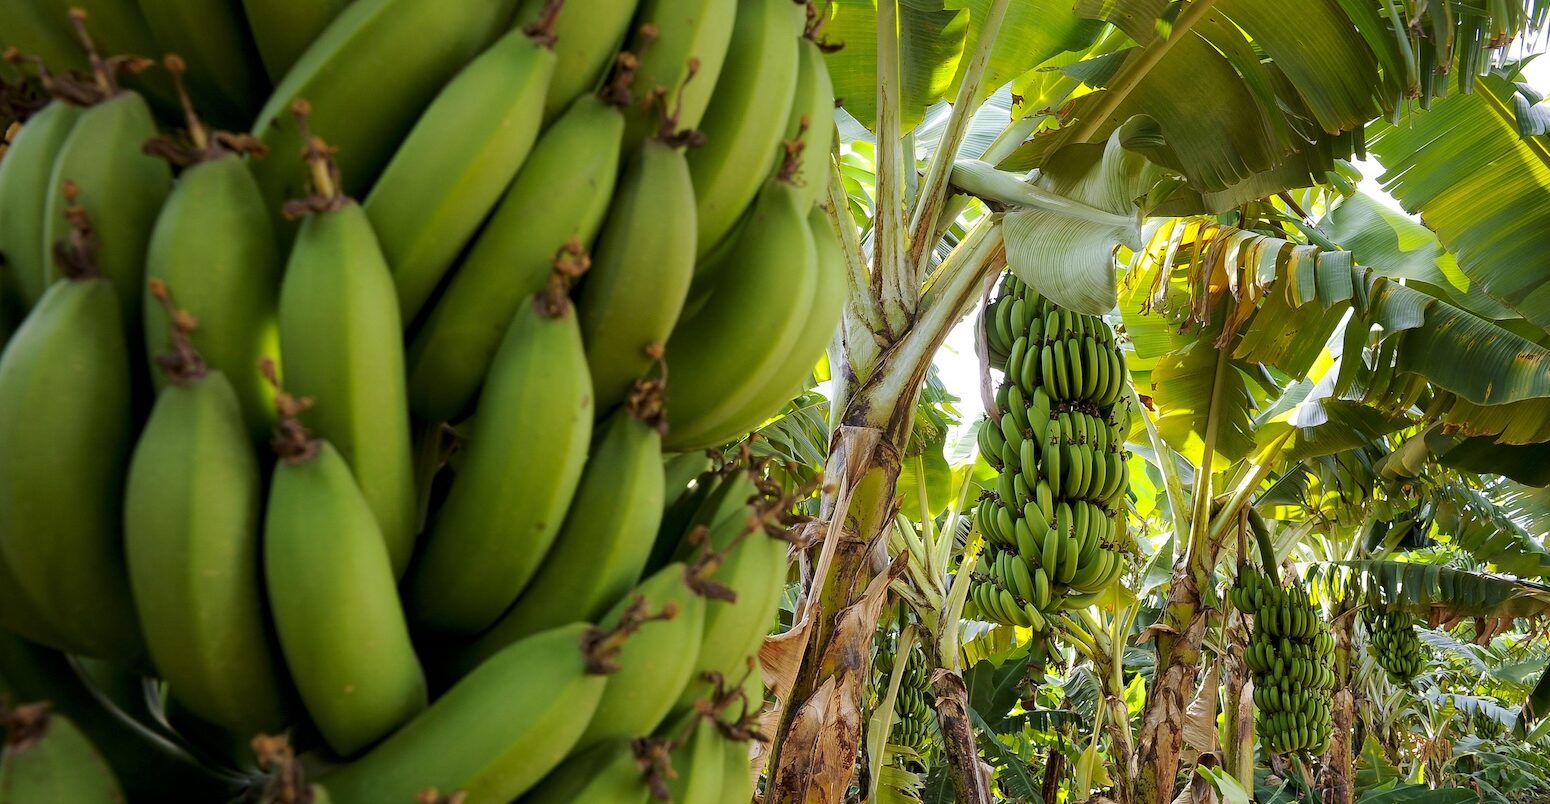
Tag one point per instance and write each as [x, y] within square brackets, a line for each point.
[900, 288]
[860, 296]
[1170, 473]
[933, 191]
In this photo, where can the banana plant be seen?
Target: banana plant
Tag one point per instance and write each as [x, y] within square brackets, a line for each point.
[1196, 112]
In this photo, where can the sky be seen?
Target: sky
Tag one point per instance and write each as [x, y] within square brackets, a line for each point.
[958, 366]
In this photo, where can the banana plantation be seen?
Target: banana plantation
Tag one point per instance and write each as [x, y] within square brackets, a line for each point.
[778, 401]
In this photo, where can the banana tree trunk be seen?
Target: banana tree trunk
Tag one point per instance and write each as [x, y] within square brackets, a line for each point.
[1238, 714]
[1173, 687]
[1121, 749]
[952, 715]
[1335, 772]
[819, 736]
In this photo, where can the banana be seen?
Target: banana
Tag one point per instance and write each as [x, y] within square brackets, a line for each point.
[796, 371]
[369, 74]
[512, 257]
[812, 122]
[101, 169]
[282, 29]
[191, 539]
[331, 592]
[742, 125]
[754, 315]
[459, 158]
[146, 764]
[655, 665]
[336, 282]
[698, 761]
[613, 772]
[1047, 371]
[752, 566]
[682, 45]
[24, 183]
[226, 73]
[587, 34]
[520, 469]
[1050, 460]
[641, 271]
[605, 541]
[65, 423]
[215, 244]
[46, 758]
[496, 732]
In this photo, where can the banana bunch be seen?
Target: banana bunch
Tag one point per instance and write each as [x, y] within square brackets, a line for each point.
[334, 360]
[914, 715]
[1291, 654]
[1053, 524]
[1392, 638]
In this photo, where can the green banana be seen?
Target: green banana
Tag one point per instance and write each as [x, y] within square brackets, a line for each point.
[587, 35]
[101, 168]
[796, 371]
[225, 72]
[331, 592]
[65, 423]
[369, 75]
[640, 276]
[512, 257]
[609, 773]
[753, 317]
[752, 566]
[738, 777]
[682, 45]
[812, 122]
[46, 758]
[24, 188]
[742, 125]
[284, 29]
[191, 530]
[699, 767]
[215, 244]
[459, 158]
[146, 763]
[340, 339]
[607, 535]
[655, 665]
[497, 731]
[519, 472]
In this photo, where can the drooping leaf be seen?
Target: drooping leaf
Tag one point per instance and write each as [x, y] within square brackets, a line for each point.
[1481, 187]
[1014, 773]
[931, 42]
[1427, 589]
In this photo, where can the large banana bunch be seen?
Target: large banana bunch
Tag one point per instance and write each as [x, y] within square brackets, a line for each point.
[1391, 635]
[1054, 523]
[416, 479]
[1291, 654]
[914, 715]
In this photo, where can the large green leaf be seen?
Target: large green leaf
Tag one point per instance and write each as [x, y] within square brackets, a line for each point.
[1013, 772]
[1066, 252]
[1483, 189]
[1182, 384]
[1479, 527]
[1419, 794]
[1032, 32]
[931, 44]
[1400, 248]
[1424, 588]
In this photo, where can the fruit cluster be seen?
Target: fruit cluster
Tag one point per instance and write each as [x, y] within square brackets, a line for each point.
[390, 473]
[1391, 635]
[1054, 523]
[914, 717]
[1291, 653]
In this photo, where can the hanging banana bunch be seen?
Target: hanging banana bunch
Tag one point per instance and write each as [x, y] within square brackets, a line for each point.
[1391, 637]
[1054, 524]
[914, 717]
[1291, 654]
